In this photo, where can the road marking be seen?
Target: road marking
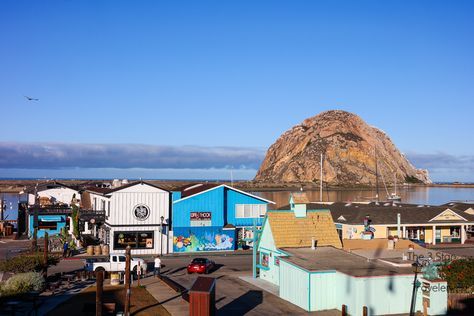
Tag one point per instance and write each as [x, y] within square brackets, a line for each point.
[3, 242]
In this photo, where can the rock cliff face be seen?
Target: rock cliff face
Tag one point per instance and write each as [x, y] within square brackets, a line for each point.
[348, 145]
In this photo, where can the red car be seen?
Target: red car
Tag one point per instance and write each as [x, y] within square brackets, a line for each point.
[201, 265]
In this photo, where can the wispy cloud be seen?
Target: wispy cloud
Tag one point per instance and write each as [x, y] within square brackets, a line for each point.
[442, 160]
[445, 167]
[67, 155]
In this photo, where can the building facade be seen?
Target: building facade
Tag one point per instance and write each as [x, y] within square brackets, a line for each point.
[420, 223]
[208, 217]
[300, 252]
[137, 214]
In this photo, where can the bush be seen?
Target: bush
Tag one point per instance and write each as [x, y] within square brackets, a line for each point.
[22, 283]
[26, 263]
[459, 274]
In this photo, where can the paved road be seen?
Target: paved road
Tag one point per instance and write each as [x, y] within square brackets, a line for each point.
[10, 248]
[233, 295]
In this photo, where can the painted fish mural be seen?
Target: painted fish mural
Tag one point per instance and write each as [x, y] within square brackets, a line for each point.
[203, 239]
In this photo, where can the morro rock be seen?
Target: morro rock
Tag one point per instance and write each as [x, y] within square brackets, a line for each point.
[350, 148]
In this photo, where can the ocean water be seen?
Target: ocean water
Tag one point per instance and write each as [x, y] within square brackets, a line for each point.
[414, 195]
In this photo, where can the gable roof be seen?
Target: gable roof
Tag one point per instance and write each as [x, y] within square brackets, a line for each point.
[196, 188]
[447, 214]
[291, 231]
[299, 198]
[387, 215]
[47, 186]
[107, 191]
[225, 186]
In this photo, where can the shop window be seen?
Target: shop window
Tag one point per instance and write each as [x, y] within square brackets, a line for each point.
[136, 240]
[265, 258]
[44, 225]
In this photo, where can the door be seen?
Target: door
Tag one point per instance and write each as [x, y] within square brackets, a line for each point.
[438, 235]
[114, 263]
[121, 263]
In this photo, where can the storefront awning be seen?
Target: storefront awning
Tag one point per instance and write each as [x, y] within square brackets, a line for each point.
[51, 219]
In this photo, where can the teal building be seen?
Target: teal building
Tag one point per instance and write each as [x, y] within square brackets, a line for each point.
[303, 256]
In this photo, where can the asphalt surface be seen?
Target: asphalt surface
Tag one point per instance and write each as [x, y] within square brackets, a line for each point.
[11, 248]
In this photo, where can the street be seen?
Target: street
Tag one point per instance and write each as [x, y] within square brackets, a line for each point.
[234, 296]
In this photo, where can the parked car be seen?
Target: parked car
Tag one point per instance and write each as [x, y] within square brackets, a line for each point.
[115, 263]
[201, 265]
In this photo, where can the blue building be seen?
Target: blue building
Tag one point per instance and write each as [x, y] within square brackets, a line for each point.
[50, 219]
[211, 217]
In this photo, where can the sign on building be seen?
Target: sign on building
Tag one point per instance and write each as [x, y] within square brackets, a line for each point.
[201, 218]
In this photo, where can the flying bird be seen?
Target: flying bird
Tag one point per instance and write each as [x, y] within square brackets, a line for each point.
[31, 99]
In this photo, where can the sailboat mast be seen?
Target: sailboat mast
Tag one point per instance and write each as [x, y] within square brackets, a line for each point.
[376, 176]
[321, 180]
[395, 181]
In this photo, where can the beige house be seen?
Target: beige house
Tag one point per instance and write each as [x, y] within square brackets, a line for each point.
[449, 223]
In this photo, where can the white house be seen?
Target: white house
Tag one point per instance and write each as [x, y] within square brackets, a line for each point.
[136, 214]
[55, 191]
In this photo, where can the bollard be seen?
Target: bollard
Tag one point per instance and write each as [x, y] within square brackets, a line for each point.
[344, 310]
[127, 281]
[364, 311]
[98, 293]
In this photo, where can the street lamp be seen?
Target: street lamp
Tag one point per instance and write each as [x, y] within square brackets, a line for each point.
[162, 218]
[416, 269]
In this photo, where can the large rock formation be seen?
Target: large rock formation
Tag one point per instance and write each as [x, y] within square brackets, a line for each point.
[350, 148]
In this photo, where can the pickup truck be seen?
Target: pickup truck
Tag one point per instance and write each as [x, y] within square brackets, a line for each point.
[115, 263]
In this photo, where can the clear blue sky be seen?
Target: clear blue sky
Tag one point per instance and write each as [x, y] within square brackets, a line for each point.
[236, 74]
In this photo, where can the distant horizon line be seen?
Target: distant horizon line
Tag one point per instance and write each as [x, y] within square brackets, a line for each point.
[180, 180]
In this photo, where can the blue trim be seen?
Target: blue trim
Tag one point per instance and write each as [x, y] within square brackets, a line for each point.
[263, 267]
[309, 293]
[305, 270]
[284, 252]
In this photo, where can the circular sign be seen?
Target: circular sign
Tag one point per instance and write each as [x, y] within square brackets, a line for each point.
[141, 212]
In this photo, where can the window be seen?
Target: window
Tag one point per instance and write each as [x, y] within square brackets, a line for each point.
[136, 240]
[264, 259]
[103, 205]
[46, 225]
[250, 210]
[114, 259]
[94, 206]
[108, 208]
[122, 258]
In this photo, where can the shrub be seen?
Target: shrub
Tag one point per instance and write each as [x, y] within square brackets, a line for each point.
[22, 283]
[459, 274]
[26, 263]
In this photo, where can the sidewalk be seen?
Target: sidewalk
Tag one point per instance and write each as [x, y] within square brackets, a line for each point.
[168, 298]
[264, 285]
[175, 254]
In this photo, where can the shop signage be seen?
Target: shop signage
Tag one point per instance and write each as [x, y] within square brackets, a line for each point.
[201, 218]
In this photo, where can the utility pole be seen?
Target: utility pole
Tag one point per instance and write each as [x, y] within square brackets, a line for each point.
[321, 180]
[45, 255]
[2, 209]
[99, 293]
[127, 281]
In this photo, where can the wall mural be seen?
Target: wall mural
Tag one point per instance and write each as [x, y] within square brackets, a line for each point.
[203, 239]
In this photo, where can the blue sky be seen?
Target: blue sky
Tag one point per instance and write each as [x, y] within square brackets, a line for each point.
[234, 75]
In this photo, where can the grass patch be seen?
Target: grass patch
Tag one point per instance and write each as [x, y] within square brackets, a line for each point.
[141, 302]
